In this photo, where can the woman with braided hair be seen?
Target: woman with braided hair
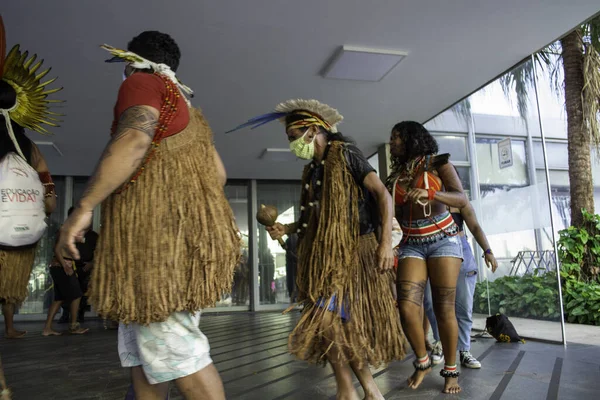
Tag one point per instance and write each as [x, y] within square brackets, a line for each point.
[424, 185]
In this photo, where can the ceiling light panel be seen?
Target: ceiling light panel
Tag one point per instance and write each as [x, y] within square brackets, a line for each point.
[362, 64]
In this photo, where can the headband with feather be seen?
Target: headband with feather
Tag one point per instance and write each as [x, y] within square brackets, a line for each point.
[139, 62]
[328, 114]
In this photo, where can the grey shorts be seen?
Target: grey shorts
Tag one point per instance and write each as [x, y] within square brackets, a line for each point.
[450, 246]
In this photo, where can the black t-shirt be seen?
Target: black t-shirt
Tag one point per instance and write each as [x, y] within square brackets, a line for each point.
[367, 204]
[86, 250]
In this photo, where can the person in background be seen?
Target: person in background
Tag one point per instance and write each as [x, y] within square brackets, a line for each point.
[465, 288]
[83, 267]
[291, 264]
[17, 112]
[240, 281]
[66, 289]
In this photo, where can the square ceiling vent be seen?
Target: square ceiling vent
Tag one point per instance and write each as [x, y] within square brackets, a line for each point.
[362, 64]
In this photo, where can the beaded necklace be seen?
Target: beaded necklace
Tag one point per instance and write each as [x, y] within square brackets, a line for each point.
[308, 203]
[407, 177]
[166, 116]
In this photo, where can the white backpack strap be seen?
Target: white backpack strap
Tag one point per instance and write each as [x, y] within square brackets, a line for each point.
[11, 133]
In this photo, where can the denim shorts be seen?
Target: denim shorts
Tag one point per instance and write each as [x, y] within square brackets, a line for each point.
[449, 246]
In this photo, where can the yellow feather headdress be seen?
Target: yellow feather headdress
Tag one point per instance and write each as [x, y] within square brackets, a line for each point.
[31, 109]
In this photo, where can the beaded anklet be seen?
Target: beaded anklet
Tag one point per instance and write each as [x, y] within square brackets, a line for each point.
[422, 364]
[450, 371]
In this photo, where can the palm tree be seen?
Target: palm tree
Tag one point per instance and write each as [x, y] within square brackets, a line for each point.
[578, 54]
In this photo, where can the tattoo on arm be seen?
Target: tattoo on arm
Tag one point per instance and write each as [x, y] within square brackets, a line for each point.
[411, 291]
[443, 296]
[119, 162]
[139, 118]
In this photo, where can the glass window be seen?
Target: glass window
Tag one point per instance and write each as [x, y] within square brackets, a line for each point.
[237, 195]
[79, 185]
[514, 214]
[464, 173]
[455, 145]
[557, 178]
[276, 275]
[558, 157]
[40, 283]
[490, 173]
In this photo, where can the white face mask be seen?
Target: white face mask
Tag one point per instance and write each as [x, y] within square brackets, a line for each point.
[303, 150]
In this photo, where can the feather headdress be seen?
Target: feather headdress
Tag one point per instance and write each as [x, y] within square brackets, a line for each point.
[31, 109]
[329, 115]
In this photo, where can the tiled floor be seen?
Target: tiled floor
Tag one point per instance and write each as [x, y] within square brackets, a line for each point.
[250, 352]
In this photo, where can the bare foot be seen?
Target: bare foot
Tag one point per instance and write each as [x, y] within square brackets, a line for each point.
[50, 332]
[5, 394]
[14, 334]
[374, 396]
[451, 386]
[417, 378]
[347, 396]
[78, 331]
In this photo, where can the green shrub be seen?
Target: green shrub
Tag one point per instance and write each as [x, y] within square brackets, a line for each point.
[581, 301]
[528, 296]
[579, 249]
[536, 295]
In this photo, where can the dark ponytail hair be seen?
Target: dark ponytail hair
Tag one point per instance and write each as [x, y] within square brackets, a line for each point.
[8, 98]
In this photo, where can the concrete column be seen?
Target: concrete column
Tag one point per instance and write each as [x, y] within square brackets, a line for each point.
[383, 153]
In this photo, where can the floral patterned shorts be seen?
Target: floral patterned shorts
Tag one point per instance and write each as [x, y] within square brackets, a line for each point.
[166, 350]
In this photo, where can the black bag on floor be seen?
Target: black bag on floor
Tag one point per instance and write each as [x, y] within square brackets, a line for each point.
[500, 327]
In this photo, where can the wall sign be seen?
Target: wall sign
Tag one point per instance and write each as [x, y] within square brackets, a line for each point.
[505, 155]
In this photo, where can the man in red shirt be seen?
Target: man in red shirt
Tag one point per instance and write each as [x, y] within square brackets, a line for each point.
[168, 243]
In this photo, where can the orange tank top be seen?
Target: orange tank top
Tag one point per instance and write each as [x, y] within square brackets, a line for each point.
[426, 180]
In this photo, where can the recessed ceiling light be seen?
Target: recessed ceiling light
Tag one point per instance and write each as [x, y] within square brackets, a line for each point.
[362, 64]
[51, 144]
